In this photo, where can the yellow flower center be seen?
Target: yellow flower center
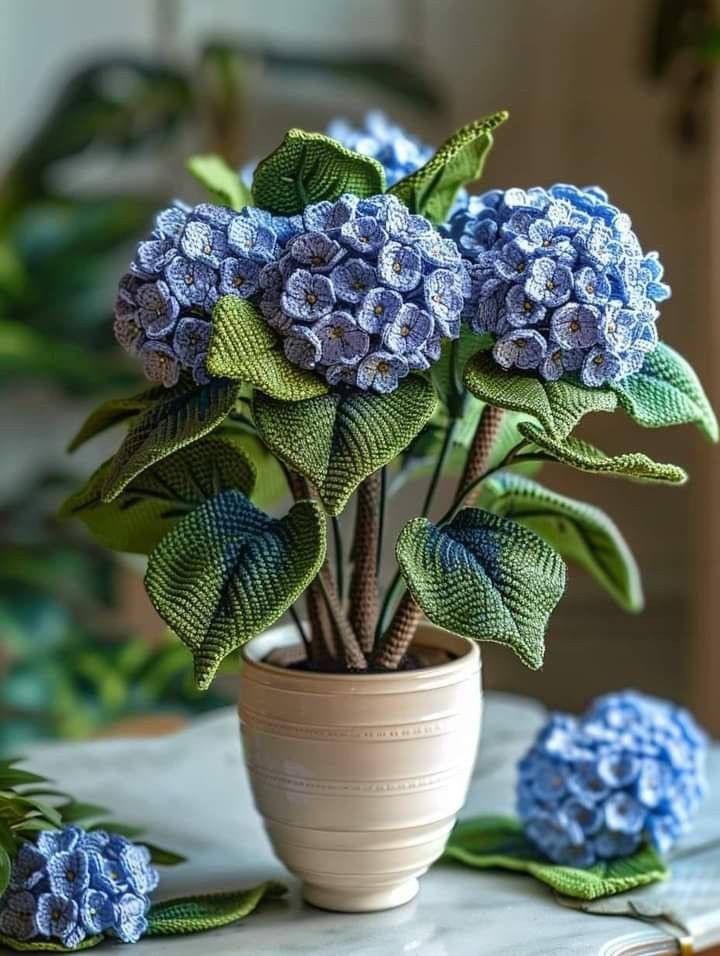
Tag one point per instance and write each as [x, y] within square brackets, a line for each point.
[310, 298]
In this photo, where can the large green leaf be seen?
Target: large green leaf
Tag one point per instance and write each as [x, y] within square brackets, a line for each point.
[219, 179]
[47, 945]
[431, 190]
[484, 577]
[176, 418]
[310, 167]
[152, 503]
[584, 456]
[227, 571]
[579, 532]
[113, 412]
[448, 372]
[666, 391]
[499, 843]
[340, 438]
[196, 914]
[558, 406]
[244, 348]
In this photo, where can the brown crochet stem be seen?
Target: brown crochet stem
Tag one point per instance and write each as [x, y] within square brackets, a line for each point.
[407, 616]
[363, 583]
[355, 660]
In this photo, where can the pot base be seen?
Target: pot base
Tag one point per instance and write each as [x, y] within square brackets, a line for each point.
[359, 901]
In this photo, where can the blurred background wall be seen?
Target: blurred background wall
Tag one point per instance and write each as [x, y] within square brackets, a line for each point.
[608, 92]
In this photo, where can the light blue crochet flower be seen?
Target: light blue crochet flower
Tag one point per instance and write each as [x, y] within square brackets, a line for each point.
[74, 883]
[397, 151]
[631, 769]
[368, 299]
[565, 264]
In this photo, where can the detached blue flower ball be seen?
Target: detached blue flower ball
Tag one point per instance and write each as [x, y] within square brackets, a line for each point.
[365, 293]
[73, 883]
[630, 770]
[560, 279]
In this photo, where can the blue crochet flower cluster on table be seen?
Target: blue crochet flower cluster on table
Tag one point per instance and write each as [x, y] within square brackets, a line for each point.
[398, 152]
[74, 883]
[631, 769]
[366, 293]
[559, 277]
[194, 256]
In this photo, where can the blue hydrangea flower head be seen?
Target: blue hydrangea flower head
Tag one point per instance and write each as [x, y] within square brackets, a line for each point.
[559, 278]
[365, 293]
[398, 152]
[194, 255]
[74, 883]
[630, 770]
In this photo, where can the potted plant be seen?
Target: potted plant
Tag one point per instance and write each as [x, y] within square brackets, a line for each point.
[337, 337]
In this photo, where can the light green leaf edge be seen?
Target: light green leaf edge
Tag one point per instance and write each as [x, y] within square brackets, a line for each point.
[197, 914]
[219, 179]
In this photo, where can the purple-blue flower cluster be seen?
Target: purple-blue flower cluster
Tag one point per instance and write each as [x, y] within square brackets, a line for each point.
[74, 883]
[397, 151]
[630, 770]
[193, 256]
[559, 278]
[365, 293]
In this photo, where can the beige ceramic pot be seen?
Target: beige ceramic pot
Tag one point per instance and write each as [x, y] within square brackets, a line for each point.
[359, 779]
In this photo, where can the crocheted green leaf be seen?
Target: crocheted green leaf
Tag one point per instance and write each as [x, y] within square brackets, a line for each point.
[584, 456]
[499, 842]
[558, 406]
[431, 190]
[195, 914]
[484, 577]
[176, 418]
[666, 391]
[244, 348]
[47, 946]
[579, 532]
[113, 412]
[339, 439]
[5, 867]
[227, 571]
[218, 178]
[309, 167]
[152, 503]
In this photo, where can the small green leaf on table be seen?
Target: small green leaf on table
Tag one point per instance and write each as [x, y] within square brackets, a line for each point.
[309, 168]
[666, 391]
[219, 179]
[431, 190]
[245, 349]
[227, 571]
[151, 504]
[47, 946]
[338, 439]
[177, 418]
[162, 857]
[579, 532]
[195, 914]
[558, 406]
[484, 577]
[585, 457]
[113, 412]
[499, 843]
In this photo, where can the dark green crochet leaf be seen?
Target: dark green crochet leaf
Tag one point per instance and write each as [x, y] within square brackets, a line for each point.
[483, 577]
[244, 348]
[227, 571]
[113, 412]
[176, 418]
[47, 946]
[666, 391]
[308, 168]
[195, 914]
[151, 504]
[447, 373]
[499, 843]
[431, 190]
[579, 532]
[339, 439]
[584, 456]
[5, 867]
[558, 406]
[219, 179]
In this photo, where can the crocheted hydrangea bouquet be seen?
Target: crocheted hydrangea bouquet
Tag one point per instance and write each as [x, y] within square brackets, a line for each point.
[342, 327]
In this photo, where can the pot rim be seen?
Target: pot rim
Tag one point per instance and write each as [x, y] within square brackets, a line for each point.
[468, 653]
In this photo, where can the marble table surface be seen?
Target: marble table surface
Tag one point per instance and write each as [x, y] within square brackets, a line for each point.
[191, 792]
